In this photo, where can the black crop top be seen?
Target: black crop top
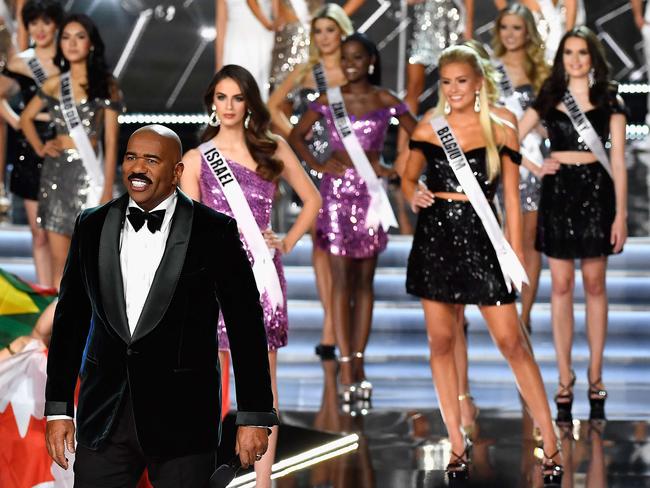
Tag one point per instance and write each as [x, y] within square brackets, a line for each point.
[441, 178]
[563, 136]
[27, 85]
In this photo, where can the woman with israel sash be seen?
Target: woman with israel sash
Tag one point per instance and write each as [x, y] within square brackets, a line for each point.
[83, 102]
[460, 254]
[583, 207]
[30, 69]
[235, 171]
[519, 59]
[356, 214]
[329, 25]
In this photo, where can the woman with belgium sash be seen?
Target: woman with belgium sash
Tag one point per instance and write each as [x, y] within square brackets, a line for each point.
[235, 171]
[303, 85]
[83, 102]
[459, 254]
[583, 207]
[356, 213]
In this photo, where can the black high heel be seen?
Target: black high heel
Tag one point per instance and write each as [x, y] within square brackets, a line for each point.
[597, 397]
[458, 467]
[552, 472]
[564, 401]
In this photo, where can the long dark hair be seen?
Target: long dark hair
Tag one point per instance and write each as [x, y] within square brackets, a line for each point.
[99, 77]
[556, 84]
[41, 9]
[371, 49]
[259, 141]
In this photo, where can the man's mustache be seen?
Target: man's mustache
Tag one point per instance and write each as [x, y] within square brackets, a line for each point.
[139, 176]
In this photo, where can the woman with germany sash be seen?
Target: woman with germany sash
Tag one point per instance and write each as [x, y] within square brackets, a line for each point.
[235, 171]
[83, 103]
[303, 85]
[30, 69]
[519, 59]
[583, 207]
[459, 254]
[356, 214]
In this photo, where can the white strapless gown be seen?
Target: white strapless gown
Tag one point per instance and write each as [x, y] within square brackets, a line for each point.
[248, 43]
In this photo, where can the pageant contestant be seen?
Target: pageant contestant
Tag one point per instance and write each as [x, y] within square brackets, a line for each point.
[464, 150]
[83, 102]
[30, 69]
[356, 213]
[329, 25]
[235, 171]
[583, 208]
[522, 68]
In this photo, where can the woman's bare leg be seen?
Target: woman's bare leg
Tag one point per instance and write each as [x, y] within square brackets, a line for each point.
[40, 247]
[593, 279]
[532, 265]
[562, 283]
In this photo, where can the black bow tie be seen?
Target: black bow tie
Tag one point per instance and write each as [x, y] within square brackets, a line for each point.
[154, 219]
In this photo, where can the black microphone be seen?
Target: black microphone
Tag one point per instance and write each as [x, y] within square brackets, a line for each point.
[225, 473]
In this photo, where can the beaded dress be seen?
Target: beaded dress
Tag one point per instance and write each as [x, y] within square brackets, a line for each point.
[578, 202]
[452, 259]
[437, 24]
[64, 182]
[26, 172]
[529, 184]
[341, 225]
[259, 195]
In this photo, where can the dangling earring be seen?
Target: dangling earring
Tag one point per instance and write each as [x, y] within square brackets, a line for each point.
[591, 76]
[477, 101]
[214, 120]
[247, 119]
[447, 108]
[371, 69]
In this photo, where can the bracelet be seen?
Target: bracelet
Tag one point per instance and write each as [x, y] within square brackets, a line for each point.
[8, 346]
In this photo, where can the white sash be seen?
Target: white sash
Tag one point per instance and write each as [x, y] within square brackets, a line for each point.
[38, 72]
[320, 78]
[555, 26]
[91, 163]
[513, 102]
[513, 271]
[380, 211]
[266, 275]
[583, 127]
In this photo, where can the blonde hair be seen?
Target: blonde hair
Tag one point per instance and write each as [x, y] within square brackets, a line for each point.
[535, 65]
[467, 55]
[333, 12]
[491, 75]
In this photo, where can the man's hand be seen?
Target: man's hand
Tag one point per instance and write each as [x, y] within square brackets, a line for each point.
[59, 435]
[251, 444]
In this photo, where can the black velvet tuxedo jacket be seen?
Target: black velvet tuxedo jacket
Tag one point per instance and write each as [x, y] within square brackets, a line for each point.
[170, 363]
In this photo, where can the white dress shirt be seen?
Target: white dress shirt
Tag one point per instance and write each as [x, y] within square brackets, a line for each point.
[140, 255]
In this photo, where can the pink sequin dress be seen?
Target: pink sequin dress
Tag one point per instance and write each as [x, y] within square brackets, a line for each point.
[259, 194]
[341, 225]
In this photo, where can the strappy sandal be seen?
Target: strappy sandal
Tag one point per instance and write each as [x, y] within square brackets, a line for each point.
[552, 472]
[470, 430]
[458, 467]
[597, 397]
[564, 401]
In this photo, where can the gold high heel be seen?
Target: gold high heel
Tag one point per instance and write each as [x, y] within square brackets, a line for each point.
[470, 430]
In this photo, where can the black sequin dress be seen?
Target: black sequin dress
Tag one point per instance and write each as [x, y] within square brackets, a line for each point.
[578, 203]
[26, 172]
[452, 259]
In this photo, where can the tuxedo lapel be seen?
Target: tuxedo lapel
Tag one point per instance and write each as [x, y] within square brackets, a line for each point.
[111, 287]
[168, 272]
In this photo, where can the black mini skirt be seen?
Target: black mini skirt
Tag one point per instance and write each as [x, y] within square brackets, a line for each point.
[452, 259]
[576, 212]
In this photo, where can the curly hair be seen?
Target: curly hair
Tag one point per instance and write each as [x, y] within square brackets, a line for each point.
[556, 84]
[41, 9]
[100, 80]
[535, 65]
[259, 140]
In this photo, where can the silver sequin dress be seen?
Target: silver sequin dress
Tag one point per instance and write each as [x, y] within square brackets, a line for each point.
[437, 24]
[64, 181]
